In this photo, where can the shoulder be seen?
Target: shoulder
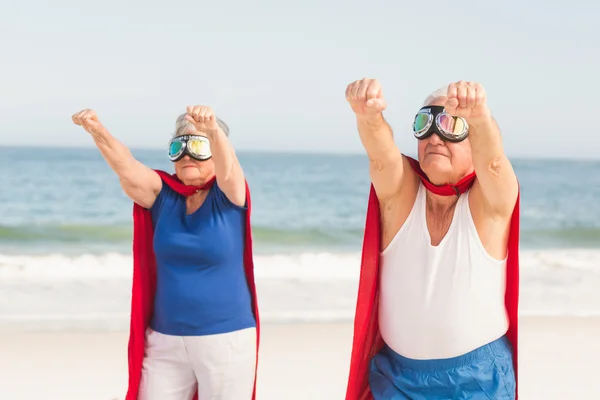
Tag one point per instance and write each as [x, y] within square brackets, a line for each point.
[223, 201]
[166, 196]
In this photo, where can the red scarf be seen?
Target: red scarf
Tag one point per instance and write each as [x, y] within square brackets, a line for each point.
[367, 339]
[144, 280]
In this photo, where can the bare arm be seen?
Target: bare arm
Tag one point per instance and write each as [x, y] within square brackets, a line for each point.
[387, 166]
[495, 175]
[385, 160]
[496, 179]
[230, 176]
[228, 171]
[139, 182]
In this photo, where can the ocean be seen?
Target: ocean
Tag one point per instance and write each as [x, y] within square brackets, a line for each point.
[66, 236]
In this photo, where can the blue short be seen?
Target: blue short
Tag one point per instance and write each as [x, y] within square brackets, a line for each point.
[485, 373]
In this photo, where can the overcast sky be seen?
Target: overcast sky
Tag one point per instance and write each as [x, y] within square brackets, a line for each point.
[276, 71]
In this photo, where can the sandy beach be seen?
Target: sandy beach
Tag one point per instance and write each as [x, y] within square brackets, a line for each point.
[558, 360]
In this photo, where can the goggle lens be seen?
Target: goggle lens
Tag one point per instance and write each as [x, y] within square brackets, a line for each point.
[450, 125]
[421, 122]
[175, 148]
[199, 148]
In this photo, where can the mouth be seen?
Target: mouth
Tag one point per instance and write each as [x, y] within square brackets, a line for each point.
[188, 166]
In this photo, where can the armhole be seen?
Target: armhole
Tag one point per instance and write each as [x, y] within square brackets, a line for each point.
[224, 200]
[466, 208]
[409, 219]
[159, 201]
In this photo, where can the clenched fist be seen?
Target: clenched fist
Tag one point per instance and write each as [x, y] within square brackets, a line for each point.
[467, 100]
[365, 97]
[203, 118]
[89, 121]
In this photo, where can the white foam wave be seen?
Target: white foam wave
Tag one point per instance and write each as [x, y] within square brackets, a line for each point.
[59, 266]
[305, 266]
[61, 292]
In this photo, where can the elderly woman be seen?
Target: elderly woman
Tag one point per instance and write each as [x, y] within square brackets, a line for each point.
[194, 316]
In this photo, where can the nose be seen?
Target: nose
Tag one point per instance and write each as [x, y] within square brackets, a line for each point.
[435, 139]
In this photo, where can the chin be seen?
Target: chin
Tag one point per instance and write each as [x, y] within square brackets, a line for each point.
[436, 162]
[437, 169]
[188, 174]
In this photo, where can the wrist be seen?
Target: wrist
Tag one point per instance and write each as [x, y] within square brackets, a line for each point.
[101, 133]
[484, 120]
[370, 119]
[214, 135]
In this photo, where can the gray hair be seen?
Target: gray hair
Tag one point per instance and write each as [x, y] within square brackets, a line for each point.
[182, 126]
[436, 94]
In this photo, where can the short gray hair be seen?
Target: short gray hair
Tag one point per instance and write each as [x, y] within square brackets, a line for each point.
[182, 126]
[436, 94]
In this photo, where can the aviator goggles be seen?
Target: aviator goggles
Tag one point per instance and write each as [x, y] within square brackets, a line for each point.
[435, 119]
[195, 146]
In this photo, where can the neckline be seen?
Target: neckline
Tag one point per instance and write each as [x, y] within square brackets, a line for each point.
[197, 211]
[423, 193]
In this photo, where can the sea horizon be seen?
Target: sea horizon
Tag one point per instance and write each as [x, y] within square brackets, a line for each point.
[326, 152]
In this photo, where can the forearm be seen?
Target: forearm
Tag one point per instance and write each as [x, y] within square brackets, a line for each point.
[228, 171]
[116, 154]
[386, 167]
[223, 155]
[486, 143]
[377, 139]
[495, 173]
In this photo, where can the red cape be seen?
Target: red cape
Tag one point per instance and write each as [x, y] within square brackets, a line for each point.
[144, 280]
[367, 339]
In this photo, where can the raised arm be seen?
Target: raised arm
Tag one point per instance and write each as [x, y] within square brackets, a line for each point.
[228, 171]
[139, 182]
[388, 169]
[496, 179]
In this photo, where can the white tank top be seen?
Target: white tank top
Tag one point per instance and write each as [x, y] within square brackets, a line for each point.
[440, 301]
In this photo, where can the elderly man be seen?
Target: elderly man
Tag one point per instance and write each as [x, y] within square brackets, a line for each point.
[436, 314]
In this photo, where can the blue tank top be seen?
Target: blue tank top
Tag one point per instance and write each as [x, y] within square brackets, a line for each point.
[201, 286]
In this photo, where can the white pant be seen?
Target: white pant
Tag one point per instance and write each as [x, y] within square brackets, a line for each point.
[220, 366]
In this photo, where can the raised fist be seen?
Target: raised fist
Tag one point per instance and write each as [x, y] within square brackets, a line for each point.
[365, 97]
[203, 118]
[467, 100]
[89, 121]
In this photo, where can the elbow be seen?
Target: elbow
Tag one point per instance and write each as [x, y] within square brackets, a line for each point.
[385, 160]
[226, 174]
[496, 165]
[500, 185]
[126, 171]
[376, 165]
[128, 183]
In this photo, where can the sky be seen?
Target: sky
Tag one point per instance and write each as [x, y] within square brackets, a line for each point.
[276, 71]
